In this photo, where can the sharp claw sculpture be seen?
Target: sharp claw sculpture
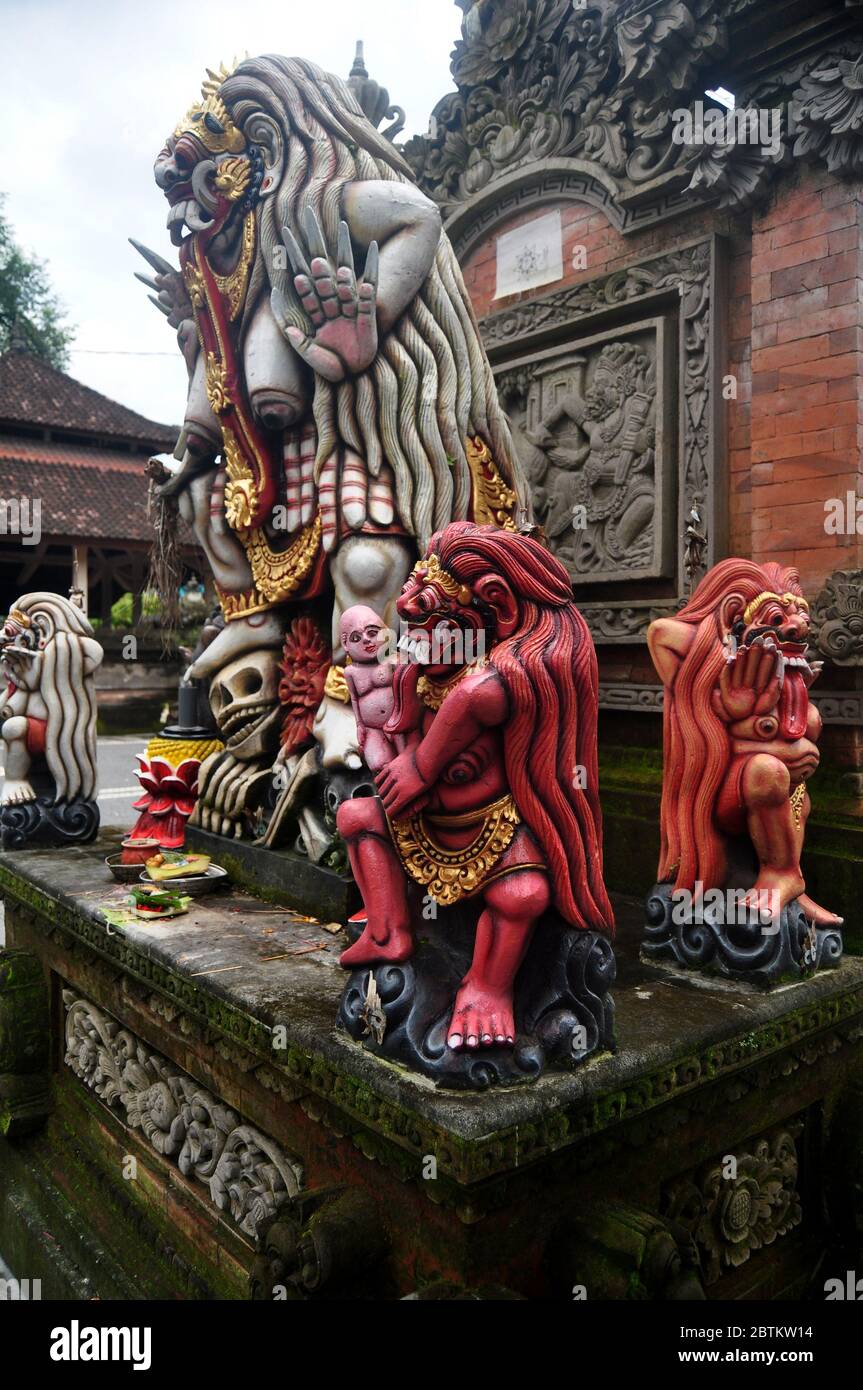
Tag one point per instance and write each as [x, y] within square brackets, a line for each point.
[152, 258]
[171, 297]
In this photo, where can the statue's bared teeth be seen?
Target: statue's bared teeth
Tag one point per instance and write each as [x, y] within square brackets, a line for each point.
[196, 219]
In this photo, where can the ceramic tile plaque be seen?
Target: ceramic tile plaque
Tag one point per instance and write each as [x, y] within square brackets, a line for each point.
[530, 255]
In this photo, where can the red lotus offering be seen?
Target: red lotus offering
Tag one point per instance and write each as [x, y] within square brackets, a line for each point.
[168, 801]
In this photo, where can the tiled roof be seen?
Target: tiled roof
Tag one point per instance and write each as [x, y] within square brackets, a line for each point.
[34, 393]
[91, 494]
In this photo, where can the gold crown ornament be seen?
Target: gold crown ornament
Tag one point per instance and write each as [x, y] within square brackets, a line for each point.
[433, 572]
[784, 599]
[210, 121]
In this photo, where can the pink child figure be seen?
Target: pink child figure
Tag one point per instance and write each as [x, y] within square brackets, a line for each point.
[370, 681]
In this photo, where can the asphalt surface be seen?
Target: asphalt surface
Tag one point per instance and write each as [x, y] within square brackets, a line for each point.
[118, 787]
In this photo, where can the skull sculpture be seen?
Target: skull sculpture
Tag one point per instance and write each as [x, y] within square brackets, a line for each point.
[245, 704]
[234, 781]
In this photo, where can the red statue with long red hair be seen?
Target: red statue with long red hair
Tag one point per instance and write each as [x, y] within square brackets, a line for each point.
[740, 738]
[494, 802]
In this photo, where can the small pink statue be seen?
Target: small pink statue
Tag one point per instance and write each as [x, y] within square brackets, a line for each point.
[370, 681]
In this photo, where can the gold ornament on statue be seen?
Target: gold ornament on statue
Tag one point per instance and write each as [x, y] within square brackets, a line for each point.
[493, 501]
[336, 686]
[233, 286]
[217, 385]
[433, 572]
[451, 874]
[210, 121]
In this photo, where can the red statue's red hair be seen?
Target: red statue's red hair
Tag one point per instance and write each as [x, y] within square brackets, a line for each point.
[696, 742]
[549, 670]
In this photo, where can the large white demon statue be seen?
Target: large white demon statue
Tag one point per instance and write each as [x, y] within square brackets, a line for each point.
[341, 408]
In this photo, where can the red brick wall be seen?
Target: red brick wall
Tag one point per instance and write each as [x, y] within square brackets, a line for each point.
[794, 333]
[807, 372]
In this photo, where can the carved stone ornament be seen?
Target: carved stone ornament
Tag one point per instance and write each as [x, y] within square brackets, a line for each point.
[609, 85]
[829, 114]
[592, 440]
[373, 98]
[595, 425]
[837, 618]
[244, 1173]
[739, 1202]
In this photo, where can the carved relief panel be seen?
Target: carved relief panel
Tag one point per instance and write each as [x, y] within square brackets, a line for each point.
[593, 426]
[613, 390]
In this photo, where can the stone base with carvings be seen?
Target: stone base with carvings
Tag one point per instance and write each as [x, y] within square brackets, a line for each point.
[565, 1008]
[46, 822]
[196, 1125]
[750, 950]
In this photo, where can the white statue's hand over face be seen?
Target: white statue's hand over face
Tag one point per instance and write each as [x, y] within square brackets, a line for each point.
[343, 312]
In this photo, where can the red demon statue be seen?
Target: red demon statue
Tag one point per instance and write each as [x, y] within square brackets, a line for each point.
[739, 746]
[494, 798]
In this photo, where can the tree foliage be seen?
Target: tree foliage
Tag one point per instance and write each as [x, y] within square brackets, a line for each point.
[28, 303]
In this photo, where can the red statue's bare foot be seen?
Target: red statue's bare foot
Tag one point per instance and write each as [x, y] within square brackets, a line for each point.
[481, 1017]
[773, 890]
[394, 945]
[819, 915]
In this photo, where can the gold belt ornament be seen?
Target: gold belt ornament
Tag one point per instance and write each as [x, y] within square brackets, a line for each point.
[451, 874]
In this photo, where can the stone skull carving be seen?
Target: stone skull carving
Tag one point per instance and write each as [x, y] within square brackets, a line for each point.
[244, 700]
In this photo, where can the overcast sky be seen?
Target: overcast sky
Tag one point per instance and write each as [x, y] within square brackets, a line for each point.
[91, 90]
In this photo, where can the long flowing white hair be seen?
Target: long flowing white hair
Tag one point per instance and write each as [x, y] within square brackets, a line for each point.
[430, 385]
[70, 656]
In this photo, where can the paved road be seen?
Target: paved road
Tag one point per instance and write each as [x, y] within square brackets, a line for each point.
[118, 787]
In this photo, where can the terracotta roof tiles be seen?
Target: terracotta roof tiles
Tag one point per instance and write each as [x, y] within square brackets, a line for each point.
[87, 494]
[32, 392]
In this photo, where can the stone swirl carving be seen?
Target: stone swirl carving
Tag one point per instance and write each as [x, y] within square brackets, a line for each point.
[547, 80]
[246, 1174]
[837, 618]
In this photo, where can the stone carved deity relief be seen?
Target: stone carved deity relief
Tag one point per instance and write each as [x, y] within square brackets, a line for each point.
[589, 426]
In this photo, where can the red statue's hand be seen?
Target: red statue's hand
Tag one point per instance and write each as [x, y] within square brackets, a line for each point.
[749, 684]
[401, 786]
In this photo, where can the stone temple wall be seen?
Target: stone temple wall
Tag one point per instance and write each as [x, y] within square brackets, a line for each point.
[675, 326]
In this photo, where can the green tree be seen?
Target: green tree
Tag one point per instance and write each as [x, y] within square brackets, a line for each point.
[28, 303]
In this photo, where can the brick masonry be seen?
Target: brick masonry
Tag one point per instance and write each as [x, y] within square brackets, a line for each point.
[794, 346]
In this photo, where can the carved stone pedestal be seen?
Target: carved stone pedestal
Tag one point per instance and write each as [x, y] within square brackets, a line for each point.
[215, 1134]
[44, 822]
[566, 1014]
[748, 949]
